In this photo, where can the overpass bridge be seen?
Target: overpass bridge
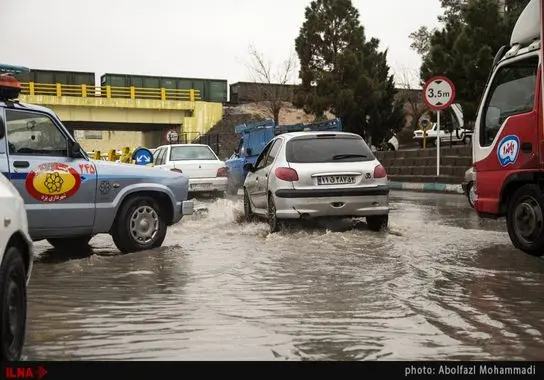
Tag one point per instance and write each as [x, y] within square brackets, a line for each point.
[106, 117]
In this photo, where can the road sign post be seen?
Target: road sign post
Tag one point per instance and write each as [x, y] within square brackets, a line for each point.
[438, 94]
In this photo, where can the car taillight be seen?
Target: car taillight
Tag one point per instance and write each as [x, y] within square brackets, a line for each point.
[379, 172]
[223, 172]
[176, 170]
[286, 174]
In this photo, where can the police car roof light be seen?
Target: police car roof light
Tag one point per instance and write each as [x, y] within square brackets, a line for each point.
[10, 88]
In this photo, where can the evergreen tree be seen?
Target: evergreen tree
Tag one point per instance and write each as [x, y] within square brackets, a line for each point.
[343, 72]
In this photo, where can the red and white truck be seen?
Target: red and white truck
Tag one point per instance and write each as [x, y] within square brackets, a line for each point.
[508, 143]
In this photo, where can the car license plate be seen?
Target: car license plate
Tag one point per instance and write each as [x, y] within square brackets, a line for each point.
[201, 186]
[336, 180]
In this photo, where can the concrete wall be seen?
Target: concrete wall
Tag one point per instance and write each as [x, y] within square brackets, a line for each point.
[109, 139]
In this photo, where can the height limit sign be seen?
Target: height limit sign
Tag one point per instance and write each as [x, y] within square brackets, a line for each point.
[438, 94]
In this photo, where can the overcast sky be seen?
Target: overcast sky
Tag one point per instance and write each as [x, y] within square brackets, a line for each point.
[185, 38]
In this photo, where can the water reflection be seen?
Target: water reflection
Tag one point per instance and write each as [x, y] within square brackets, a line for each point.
[436, 286]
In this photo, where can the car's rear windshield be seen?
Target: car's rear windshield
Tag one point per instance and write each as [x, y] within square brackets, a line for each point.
[185, 153]
[327, 149]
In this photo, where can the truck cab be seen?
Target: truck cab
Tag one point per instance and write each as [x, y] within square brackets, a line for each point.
[508, 139]
[70, 197]
[255, 136]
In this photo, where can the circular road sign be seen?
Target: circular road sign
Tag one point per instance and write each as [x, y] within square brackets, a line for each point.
[142, 156]
[172, 136]
[439, 93]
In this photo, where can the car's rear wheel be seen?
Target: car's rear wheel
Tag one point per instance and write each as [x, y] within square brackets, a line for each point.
[525, 220]
[140, 225]
[273, 222]
[75, 244]
[377, 222]
[248, 213]
[14, 305]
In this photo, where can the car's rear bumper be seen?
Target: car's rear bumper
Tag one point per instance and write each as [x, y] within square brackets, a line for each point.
[208, 184]
[337, 192]
[353, 202]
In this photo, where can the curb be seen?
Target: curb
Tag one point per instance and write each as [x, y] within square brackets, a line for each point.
[427, 187]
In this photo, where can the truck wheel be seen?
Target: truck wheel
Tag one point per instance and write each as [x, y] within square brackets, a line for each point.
[71, 244]
[139, 225]
[248, 214]
[377, 222]
[14, 304]
[525, 220]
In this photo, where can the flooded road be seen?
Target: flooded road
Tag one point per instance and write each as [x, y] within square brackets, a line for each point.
[441, 284]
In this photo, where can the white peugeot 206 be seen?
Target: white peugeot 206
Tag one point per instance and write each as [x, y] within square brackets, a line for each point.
[16, 258]
[304, 175]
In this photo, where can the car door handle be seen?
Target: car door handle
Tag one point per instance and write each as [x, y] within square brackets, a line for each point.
[21, 164]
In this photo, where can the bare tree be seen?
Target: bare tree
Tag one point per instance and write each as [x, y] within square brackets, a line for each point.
[410, 95]
[271, 86]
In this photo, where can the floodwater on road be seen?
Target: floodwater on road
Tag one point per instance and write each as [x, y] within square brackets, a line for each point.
[441, 284]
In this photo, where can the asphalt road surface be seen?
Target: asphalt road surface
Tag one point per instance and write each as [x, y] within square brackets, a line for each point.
[440, 284]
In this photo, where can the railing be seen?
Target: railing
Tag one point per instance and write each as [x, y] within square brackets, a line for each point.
[86, 91]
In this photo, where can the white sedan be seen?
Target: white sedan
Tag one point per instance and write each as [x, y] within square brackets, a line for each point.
[16, 258]
[206, 172]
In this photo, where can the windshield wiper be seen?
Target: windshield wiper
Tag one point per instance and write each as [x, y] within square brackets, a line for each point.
[341, 156]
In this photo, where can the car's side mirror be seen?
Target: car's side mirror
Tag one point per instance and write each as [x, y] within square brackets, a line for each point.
[248, 167]
[249, 151]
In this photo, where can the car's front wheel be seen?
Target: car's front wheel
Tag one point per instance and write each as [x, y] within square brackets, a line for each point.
[14, 304]
[248, 213]
[273, 222]
[140, 225]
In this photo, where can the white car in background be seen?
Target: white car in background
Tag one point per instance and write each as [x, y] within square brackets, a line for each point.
[16, 257]
[206, 172]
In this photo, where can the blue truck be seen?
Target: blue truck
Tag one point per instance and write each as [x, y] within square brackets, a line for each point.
[254, 137]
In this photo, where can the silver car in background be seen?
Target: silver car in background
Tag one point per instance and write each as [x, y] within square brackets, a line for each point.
[304, 175]
[469, 186]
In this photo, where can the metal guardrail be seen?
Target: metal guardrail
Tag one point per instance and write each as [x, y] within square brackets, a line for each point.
[109, 92]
